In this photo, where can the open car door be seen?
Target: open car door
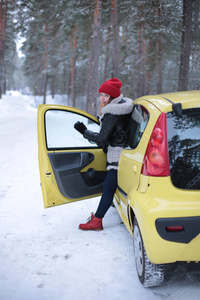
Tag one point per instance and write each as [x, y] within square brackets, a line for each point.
[71, 167]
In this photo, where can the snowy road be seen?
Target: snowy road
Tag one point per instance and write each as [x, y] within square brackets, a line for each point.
[43, 255]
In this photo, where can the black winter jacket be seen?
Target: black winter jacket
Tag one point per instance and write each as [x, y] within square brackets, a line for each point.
[114, 123]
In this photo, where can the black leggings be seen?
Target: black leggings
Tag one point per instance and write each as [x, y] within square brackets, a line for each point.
[109, 187]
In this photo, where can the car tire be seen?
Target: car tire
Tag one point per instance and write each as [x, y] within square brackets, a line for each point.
[149, 274]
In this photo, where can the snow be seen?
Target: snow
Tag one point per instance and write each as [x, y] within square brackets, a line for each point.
[43, 254]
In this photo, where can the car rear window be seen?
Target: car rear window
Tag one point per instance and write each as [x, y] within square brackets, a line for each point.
[184, 148]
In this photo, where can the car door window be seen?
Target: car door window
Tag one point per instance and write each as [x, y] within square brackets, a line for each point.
[60, 131]
[137, 125]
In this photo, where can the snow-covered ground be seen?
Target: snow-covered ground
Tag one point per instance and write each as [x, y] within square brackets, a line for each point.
[43, 255]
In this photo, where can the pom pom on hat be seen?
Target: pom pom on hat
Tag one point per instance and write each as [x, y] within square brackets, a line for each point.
[111, 87]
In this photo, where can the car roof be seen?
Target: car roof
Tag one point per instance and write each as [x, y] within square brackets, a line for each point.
[163, 102]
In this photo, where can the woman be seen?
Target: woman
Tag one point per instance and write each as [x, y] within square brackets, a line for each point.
[114, 119]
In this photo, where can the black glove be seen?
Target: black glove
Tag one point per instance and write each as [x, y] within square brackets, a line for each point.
[80, 127]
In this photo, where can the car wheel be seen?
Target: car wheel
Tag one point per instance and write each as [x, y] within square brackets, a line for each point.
[149, 274]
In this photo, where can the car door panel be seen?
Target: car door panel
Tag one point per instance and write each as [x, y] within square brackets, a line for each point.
[67, 169]
[71, 167]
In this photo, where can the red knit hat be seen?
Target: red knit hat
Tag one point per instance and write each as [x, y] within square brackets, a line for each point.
[111, 87]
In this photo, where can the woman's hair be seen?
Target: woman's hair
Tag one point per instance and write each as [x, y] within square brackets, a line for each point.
[102, 105]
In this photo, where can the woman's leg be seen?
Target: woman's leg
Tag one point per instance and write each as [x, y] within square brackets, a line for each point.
[109, 187]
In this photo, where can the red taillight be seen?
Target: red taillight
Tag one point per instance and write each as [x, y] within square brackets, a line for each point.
[156, 159]
[157, 137]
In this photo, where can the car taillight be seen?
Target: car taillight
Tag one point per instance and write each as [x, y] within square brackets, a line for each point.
[156, 159]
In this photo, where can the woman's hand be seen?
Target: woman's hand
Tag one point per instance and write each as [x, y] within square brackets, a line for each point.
[80, 127]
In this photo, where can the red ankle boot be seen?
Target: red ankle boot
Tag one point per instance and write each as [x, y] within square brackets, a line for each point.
[94, 223]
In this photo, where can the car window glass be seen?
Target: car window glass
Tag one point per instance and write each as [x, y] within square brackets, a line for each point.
[137, 125]
[60, 131]
[184, 148]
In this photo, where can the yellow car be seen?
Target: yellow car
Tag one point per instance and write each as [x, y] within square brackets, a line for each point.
[158, 194]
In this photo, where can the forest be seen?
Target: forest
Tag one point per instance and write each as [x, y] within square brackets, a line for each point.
[72, 46]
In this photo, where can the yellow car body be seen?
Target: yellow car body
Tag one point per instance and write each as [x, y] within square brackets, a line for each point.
[154, 201]
[150, 198]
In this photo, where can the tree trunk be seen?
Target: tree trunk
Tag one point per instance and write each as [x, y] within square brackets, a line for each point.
[159, 50]
[107, 54]
[45, 63]
[185, 45]
[94, 61]
[64, 82]
[115, 39]
[196, 47]
[45, 88]
[52, 86]
[148, 82]
[159, 69]
[3, 18]
[73, 45]
[141, 55]
[196, 15]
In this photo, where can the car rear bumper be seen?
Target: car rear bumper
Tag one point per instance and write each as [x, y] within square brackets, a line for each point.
[159, 208]
[179, 230]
